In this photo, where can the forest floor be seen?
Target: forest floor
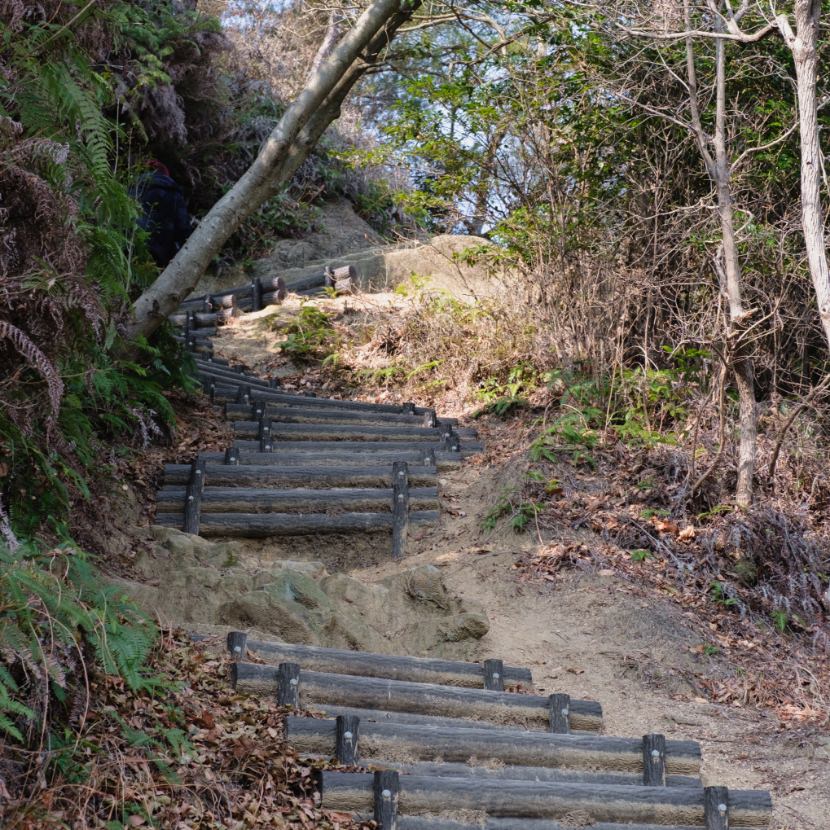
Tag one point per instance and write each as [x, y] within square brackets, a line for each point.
[592, 630]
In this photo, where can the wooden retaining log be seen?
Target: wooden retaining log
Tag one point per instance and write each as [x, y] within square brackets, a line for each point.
[661, 806]
[264, 525]
[281, 396]
[345, 458]
[202, 334]
[252, 475]
[429, 721]
[202, 319]
[222, 299]
[344, 431]
[516, 748]
[530, 711]
[305, 283]
[305, 499]
[424, 823]
[297, 413]
[516, 773]
[368, 664]
[469, 448]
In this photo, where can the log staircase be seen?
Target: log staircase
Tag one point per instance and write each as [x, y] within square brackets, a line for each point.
[422, 744]
[299, 464]
[443, 745]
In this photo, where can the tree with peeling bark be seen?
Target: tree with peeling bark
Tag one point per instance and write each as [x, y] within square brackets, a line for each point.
[299, 129]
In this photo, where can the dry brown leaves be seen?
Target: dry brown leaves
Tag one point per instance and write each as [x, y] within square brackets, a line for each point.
[234, 770]
[682, 558]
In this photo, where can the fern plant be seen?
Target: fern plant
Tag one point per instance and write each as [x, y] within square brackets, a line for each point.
[57, 614]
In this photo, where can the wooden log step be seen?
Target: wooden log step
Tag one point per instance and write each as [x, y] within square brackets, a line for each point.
[467, 449]
[516, 773]
[514, 748]
[228, 381]
[281, 396]
[660, 806]
[201, 319]
[303, 284]
[343, 458]
[297, 413]
[202, 333]
[304, 499]
[223, 299]
[422, 823]
[264, 525]
[431, 721]
[529, 711]
[251, 475]
[281, 430]
[367, 664]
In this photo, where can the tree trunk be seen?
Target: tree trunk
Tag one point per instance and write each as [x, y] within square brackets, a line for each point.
[742, 364]
[285, 149]
[804, 46]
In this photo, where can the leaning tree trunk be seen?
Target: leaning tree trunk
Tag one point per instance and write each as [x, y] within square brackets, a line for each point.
[298, 130]
[804, 46]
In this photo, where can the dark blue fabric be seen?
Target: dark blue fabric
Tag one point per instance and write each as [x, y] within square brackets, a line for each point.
[164, 215]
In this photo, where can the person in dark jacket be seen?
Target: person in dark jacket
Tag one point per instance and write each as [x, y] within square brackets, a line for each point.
[164, 213]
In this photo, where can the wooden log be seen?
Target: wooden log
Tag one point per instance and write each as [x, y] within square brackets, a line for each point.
[193, 497]
[367, 664]
[529, 711]
[494, 774]
[303, 499]
[305, 283]
[664, 806]
[386, 787]
[342, 272]
[199, 319]
[400, 508]
[307, 475]
[288, 685]
[421, 823]
[288, 397]
[417, 459]
[345, 286]
[384, 716]
[559, 706]
[236, 642]
[654, 760]
[326, 447]
[297, 413]
[718, 809]
[230, 377]
[265, 525]
[494, 675]
[496, 748]
[347, 735]
[338, 431]
[198, 334]
[274, 287]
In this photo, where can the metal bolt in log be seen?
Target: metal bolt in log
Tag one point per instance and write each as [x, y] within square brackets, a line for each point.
[193, 496]
[236, 644]
[264, 434]
[716, 808]
[559, 710]
[288, 685]
[654, 760]
[400, 508]
[494, 675]
[386, 790]
[346, 738]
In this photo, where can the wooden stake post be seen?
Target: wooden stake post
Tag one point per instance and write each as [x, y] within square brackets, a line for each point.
[400, 508]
